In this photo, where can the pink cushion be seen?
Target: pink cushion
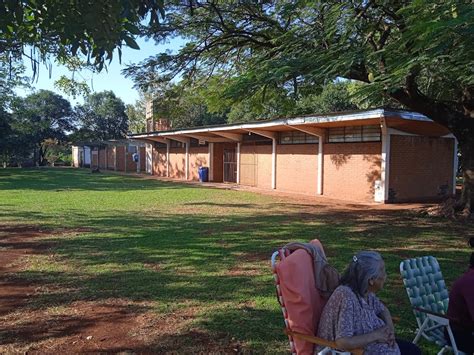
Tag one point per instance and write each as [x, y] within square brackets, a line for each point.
[303, 303]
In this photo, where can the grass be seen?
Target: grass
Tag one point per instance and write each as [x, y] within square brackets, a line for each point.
[182, 247]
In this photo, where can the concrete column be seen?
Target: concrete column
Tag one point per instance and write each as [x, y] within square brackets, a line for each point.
[186, 168]
[106, 160]
[139, 159]
[125, 152]
[238, 163]
[385, 164]
[320, 164]
[211, 161]
[274, 145]
[115, 157]
[167, 158]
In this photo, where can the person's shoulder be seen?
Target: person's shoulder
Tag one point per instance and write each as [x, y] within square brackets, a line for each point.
[344, 291]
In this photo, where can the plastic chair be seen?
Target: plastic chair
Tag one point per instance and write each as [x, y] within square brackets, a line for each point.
[429, 299]
[300, 301]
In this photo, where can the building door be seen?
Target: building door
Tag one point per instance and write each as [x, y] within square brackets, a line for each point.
[230, 165]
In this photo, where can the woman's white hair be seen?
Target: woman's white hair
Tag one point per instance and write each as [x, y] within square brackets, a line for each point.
[364, 266]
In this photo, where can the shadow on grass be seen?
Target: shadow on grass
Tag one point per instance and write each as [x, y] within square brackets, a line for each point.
[174, 258]
[64, 179]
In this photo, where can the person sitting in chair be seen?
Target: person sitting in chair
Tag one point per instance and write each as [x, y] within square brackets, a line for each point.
[355, 318]
[461, 308]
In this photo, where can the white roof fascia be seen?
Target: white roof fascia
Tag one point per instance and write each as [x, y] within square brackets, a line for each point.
[370, 114]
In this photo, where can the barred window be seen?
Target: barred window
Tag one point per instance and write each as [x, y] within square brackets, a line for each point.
[297, 137]
[354, 134]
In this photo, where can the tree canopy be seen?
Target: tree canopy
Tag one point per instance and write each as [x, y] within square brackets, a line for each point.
[102, 117]
[42, 29]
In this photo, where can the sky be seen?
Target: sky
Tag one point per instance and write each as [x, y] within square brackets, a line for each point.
[112, 79]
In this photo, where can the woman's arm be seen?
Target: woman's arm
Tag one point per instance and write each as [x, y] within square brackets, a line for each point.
[381, 335]
[387, 318]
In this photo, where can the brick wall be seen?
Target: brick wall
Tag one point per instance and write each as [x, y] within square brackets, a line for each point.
[420, 168]
[177, 163]
[120, 152]
[159, 161]
[256, 165]
[297, 168]
[350, 170]
[102, 159]
[110, 158]
[198, 156]
[131, 165]
[142, 159]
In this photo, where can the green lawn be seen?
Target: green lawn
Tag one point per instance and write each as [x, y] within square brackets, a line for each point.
[179, 246]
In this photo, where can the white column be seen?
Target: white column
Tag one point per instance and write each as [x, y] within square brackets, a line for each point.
[320, 164]
[139, 159]
[455, 164]
[385, 164]
[186, 168]
[238, 163]
[274, 142]
[115, 158]
[211, 161]
[167, 158]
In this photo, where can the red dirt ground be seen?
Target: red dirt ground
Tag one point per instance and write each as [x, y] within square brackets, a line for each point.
[105, 326]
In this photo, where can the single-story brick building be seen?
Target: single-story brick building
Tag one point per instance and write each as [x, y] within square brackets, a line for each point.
[126, 155]
[380, 155]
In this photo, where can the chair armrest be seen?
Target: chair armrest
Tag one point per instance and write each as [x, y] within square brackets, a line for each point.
[319, 341]
[427, 311]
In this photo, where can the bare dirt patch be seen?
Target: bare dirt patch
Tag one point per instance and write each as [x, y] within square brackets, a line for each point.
[85, 326]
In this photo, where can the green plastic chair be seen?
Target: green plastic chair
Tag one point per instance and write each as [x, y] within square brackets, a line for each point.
[429, 299]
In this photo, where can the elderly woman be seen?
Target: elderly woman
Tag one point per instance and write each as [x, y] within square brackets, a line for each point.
[355, 318]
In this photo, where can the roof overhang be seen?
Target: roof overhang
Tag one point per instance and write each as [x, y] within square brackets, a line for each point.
[410, 122]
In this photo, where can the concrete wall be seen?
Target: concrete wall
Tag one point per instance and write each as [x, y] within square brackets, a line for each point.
[351, 169]
[420, 168]
[297, 168]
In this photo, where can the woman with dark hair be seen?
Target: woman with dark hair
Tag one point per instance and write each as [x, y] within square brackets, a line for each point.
[355, 318]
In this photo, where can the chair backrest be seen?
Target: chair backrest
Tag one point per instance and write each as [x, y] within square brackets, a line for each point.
[300, 301]
[426, 289]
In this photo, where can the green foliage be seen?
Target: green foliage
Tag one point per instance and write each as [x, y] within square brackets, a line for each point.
[61, 29]
[40, 116]
[102, 117]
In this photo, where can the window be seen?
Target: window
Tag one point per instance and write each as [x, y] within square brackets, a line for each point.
[176, 144]
[354, 134]
[297, 137]
[132, 148]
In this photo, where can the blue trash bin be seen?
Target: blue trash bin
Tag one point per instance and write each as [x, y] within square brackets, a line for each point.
[203, 174]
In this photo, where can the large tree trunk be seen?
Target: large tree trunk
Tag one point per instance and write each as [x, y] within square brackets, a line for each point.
[466, 202]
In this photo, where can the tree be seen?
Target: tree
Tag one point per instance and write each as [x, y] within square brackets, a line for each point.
[418, 53]
[64, 29]
[102, 117]
[137, 114]
[40, 116]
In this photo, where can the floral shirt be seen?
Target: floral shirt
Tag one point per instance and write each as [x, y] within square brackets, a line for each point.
[347, 315]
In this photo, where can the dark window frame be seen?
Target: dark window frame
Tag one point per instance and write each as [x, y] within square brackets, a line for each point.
[349, 134]
[297, 137]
